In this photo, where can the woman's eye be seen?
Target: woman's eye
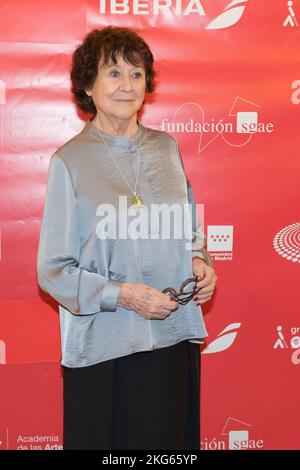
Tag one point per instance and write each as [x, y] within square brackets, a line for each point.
[137, 74]
[114, 73]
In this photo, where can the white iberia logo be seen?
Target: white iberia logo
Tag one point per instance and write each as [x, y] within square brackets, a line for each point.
[154, 7]
[223, 342]
[232, 14]
[168, 8]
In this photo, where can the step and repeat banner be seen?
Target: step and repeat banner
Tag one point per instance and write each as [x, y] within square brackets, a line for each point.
[228, 90]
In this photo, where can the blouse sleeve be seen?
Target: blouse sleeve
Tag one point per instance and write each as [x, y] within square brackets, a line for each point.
[58, 262]
[199, 241]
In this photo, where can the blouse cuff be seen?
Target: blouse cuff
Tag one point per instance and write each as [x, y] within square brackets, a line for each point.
[109, 296]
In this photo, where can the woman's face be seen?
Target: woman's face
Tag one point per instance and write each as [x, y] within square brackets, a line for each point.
[119, 89]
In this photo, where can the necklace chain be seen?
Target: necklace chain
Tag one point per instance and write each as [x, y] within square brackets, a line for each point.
[138, 200]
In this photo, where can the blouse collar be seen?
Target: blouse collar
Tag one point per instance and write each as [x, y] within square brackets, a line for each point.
[117, 140]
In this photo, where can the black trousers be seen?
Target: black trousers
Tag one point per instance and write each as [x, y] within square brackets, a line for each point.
[147, 400]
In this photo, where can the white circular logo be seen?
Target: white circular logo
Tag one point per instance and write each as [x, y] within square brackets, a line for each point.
[287, 242]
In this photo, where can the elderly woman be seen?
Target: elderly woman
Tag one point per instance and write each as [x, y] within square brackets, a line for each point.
[130, 355]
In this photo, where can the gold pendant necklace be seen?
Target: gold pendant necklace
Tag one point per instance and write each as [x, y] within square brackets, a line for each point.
[136, 200]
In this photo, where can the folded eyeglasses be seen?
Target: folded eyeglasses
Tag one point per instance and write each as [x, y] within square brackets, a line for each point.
[186, 292]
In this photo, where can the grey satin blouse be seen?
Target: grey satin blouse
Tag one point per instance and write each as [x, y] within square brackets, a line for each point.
[84, 273]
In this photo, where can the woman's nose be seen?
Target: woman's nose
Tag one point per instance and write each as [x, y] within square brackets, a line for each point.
[126, 83]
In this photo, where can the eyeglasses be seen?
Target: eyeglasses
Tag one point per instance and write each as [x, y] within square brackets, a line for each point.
[186, 292]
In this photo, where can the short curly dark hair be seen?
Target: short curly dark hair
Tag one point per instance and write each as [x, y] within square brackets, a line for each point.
[107, 44]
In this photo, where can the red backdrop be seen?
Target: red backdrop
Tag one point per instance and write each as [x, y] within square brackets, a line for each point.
[229, 91]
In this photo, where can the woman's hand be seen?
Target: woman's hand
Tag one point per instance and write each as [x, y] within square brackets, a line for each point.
[208, 279]
[150, 303]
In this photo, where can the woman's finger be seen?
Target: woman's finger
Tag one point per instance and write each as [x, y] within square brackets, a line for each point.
[205, 290]
[204, 299]
[205, 283]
